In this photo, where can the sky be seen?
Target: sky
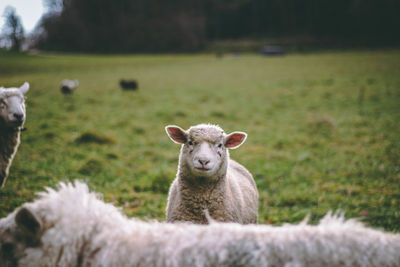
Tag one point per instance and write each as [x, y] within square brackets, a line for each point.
[30, 12]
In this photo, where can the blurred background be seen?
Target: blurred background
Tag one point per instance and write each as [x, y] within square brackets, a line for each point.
[195, 25]
[314, 83]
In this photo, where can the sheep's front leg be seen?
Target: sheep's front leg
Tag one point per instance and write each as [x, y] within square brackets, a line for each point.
[3, 175]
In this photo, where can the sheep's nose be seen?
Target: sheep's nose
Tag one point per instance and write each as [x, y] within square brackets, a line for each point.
[204, 162]
[18, 116]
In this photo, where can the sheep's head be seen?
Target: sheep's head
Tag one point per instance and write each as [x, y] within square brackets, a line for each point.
[19, 231]
[12, 106]
[204, 151]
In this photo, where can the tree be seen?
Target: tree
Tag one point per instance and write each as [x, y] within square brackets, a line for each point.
[123, 26]
[187, 25]
[13, 29]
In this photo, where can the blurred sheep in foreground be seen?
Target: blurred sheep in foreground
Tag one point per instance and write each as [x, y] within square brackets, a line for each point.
[73, 227]
[12, 119]
[69, 86]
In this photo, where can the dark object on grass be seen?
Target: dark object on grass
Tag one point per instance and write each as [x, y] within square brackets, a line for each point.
[128, 85]
[68, 86]
[94, 138]
[269, 50]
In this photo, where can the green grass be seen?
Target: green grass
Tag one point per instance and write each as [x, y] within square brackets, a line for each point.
[323, 128]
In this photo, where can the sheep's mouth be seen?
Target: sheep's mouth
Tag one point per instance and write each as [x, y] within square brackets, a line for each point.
[16, 123]
[202, 169]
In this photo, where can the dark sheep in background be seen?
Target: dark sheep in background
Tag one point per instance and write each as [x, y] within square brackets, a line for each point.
[128, 85]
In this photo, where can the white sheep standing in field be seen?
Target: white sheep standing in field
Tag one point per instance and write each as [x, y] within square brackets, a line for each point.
[208, 180]
[12, 119]
[68, 86]
[73, 227]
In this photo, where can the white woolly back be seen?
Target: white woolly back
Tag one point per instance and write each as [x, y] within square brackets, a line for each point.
[81, 230]
[70, 83]
[70, 215]
[75, 200]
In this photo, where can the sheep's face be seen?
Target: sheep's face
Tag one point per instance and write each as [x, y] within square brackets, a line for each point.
[204, 151]
[18, 232]
[12, 105]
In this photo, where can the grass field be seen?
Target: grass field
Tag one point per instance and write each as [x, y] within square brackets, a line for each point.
[324, 128]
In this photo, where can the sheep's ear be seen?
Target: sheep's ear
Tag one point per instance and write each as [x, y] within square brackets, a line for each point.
[30, 225]
[235, 139]
[24, 88]
[177, 134]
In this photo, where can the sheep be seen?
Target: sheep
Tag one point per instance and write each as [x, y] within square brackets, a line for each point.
[128, 85]
[269, 50]
[71, 226]
[12, 119]
[208, 181]
[68, 86]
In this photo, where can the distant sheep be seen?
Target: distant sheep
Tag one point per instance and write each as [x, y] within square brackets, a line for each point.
[72, 227]
[269, 50]
[208, 180]
[12, 119]
[69, 86]
[129, 84]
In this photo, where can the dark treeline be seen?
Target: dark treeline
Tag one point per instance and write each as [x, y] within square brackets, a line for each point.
[186, 25]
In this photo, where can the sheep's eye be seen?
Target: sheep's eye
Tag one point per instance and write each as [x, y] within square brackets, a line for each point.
[220, 145]
[190, 143]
